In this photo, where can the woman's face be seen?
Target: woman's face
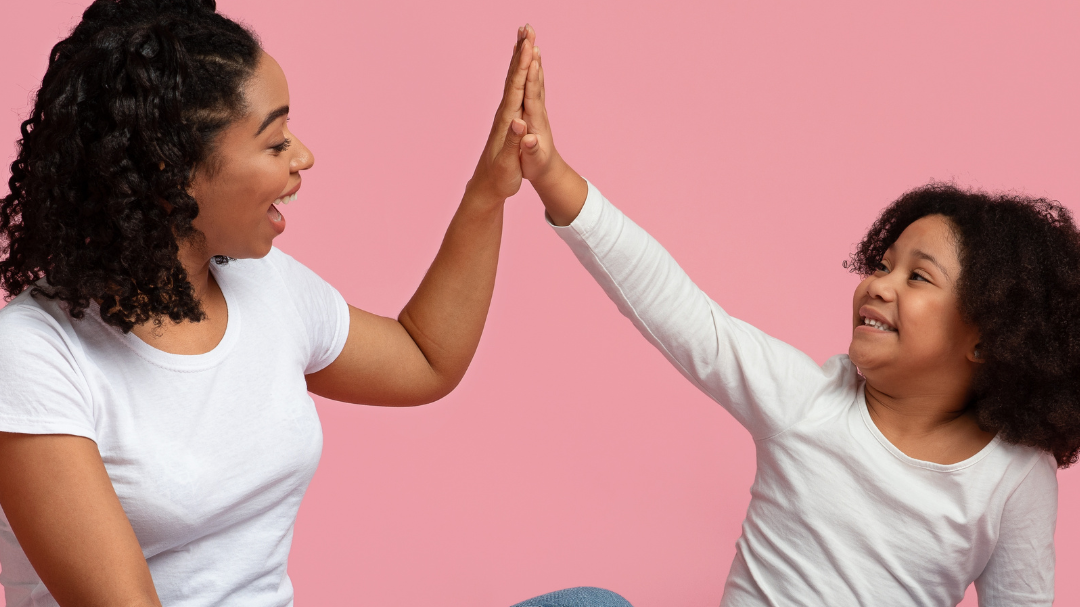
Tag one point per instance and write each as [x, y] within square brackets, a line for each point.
[907, 323]
[256, 164]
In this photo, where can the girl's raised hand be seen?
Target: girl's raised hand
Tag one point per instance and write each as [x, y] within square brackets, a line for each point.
[561, 189]
[498, 173]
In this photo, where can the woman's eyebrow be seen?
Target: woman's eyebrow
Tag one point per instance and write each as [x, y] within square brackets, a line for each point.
[928, 257]
[271, 117]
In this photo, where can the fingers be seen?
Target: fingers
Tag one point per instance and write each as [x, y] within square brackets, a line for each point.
[515, 81]
[534, 102]
[540, 64]
[515, 55]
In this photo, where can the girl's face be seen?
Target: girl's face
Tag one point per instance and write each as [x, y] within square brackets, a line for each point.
[908, 331]
[257, 164]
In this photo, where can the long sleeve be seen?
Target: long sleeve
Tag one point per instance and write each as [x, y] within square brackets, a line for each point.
[765, 383]
[1021, 568]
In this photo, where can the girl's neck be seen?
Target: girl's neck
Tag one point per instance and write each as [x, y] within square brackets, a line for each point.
[929, 427]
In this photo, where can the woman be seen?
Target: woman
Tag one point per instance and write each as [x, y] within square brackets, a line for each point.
[156, 435]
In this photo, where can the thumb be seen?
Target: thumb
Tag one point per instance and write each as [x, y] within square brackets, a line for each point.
[533, 157]
[513, 136]
[530, 144]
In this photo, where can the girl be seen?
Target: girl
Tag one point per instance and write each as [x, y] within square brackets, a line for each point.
[156, 435]
[923, 460]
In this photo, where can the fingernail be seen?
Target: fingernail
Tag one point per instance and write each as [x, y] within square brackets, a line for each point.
[518, 127]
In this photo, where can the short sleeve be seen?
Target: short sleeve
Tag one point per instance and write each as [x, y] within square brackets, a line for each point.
[42, 390]
[323, 311]
[1021, 568]
[766, 384]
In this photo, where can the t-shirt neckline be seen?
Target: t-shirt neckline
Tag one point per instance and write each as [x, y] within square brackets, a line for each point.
[864, 412]
[190, 362]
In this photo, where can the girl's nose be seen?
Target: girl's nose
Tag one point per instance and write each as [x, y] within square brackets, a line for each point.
[881, 287]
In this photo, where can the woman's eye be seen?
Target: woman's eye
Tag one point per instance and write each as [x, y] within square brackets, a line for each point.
[281, 147]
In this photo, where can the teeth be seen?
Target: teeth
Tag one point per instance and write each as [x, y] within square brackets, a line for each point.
[877, 325]
[286, 199]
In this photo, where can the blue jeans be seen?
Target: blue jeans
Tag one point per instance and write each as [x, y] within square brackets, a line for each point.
[577, 597]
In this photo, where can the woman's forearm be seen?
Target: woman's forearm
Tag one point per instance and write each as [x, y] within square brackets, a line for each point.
[446, 315]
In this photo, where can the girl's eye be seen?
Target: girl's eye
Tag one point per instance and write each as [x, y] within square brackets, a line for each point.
[881, 267]
[281, 147]
[917, 276]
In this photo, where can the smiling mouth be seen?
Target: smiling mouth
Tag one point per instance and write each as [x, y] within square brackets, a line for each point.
[880, 326]
[286, 199]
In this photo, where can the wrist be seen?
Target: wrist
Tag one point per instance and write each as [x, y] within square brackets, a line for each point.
[481, 194]
[555, 174]
[562, 191]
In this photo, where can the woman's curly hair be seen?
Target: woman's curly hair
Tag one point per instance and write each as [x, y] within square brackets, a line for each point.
[130, 105]
[1020, 286]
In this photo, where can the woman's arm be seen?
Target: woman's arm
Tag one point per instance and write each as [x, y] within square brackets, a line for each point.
[421, 356]
[61, 506]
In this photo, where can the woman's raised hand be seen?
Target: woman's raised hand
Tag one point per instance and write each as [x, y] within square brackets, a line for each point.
[561, 189]
[498, 173]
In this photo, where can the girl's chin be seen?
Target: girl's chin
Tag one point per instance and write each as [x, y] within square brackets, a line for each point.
[864, 357]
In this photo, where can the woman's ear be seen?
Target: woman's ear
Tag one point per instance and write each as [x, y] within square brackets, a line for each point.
[975, 355]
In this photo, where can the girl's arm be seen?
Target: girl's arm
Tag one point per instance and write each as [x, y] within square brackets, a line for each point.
[421, 356]
[765, 383]
[1021, 568]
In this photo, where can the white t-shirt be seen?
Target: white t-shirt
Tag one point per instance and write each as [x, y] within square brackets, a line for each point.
[209, 454]
[838, 515]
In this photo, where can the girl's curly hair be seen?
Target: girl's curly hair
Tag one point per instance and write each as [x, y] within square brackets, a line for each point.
[129, 106]
[1020, 286]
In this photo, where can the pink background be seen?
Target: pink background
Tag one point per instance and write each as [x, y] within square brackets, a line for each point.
[757, 140]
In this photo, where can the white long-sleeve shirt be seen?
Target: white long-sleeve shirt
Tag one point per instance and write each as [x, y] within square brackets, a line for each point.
[838, 515]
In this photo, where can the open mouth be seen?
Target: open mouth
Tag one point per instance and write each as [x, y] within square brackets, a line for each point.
[877, 324]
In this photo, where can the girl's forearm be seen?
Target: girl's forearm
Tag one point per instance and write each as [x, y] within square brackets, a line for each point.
[446, 315]
[562, 191]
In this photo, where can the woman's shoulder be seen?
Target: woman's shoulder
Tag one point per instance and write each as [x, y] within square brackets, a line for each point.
[29, 314]
[274, 270]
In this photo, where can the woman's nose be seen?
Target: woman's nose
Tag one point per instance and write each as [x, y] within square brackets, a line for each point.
[303, 159]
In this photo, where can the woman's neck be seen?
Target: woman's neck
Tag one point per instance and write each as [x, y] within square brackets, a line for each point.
[196, 262]
[189, 337]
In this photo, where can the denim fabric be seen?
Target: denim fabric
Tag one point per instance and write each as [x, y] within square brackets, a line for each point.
[577, 597]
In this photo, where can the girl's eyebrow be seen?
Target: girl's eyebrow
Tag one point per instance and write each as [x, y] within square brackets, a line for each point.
[928, 257]
[272, 116]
